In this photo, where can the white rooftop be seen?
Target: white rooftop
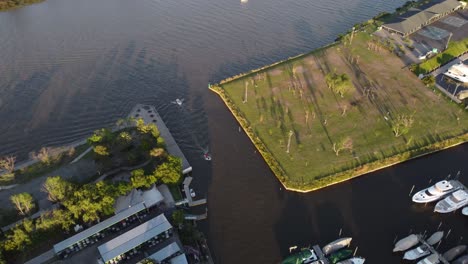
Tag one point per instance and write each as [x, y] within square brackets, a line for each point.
[458, 71]
[165, 252]
[149, 197]
[180, 259]
[98, 228]
[134, 238]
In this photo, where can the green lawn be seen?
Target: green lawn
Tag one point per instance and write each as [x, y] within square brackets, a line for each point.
[454, 50]
[282, 97]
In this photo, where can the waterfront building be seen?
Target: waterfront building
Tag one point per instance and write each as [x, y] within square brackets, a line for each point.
[417, 17]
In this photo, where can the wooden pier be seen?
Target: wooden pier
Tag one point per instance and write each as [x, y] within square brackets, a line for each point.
[433, 250]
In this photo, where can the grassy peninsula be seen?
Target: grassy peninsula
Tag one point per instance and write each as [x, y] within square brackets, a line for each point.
[341, 111]
[11, 4]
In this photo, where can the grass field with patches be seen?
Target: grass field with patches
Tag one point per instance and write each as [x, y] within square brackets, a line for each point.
[294, 96]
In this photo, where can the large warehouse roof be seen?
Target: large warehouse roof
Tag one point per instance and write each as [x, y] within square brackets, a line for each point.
[98, 228]
[416, 17]
[133, 238]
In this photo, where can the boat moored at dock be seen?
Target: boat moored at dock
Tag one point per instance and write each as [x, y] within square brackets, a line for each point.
[406, 243]
[454, 252]
[435, 192]
[355, 260]
[432, 259]
[452, 202]
[465, 211]
[336, 245]
[417, 253]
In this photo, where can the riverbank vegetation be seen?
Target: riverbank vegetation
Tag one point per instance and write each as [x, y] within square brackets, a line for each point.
[11, 4]
[311, 135]
[88, 203]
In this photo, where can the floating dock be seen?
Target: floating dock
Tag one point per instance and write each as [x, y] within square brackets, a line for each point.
[320, 254]
[149, 114]
[433, 250]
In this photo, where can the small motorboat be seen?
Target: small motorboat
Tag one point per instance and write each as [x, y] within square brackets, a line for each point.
[340, 255]
[207, 156]
[406, 243]
[461, 260]
[432, 259]
[452, 202]
[417, 253]
[336, 245]
[355, 260]
[454, 252]
[435, 238]
[178, 102]
[435, 192]
[465, 211]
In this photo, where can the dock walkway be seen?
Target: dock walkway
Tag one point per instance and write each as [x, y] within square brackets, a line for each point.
[320, 254]
[433, 250]
[191, 202]
[149, 114]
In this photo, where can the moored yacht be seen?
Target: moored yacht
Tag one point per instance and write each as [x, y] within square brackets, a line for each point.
[435, 192]
[452, 202]
[416, 253]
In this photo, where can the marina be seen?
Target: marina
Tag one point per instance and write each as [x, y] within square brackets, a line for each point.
[450, 194]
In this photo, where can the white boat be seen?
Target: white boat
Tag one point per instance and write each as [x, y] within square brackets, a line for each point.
[435, 238]
[336, 245]
[207, 156]
[406, 243]
[416, 253]
[178, 102]
[452, 202]
[435, 192]
[432, 259]
[355, 260]
[452, 253]
[465, 211]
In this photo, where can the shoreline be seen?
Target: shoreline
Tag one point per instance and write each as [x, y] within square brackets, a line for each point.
[341, 176]
[17, 6]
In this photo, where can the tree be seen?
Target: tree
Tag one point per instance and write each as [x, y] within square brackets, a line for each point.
[160, 142]
[43, 155]
[18, 239]
[343, 144]
[178, 217]
[56, 188]
[401, 124]
[139, 179]
[157, 152]
[23, 202]
[339, 83]
[28, 225]
[101, 150]
[170, 171]
[125, 137]
[8, 163]
[428, 80]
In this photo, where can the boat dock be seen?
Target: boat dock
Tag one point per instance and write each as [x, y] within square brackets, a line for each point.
[149, 114]
[320, 254]
[433, 250]
[191, 202]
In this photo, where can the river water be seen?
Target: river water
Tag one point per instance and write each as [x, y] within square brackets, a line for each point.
[69, 67]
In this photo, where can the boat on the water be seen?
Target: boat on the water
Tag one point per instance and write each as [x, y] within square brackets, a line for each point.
[406, 243]
[417, 253]
[355, 260]
[461, 260]
[452, 202]
[432, 259]
[435, 192]
[465, 211]
[336, 245]
[207, 156]
[340, 255]
[435, 238]
[454, 252]
[178, 102]
[306, 255]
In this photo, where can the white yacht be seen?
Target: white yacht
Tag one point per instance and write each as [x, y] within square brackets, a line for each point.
[453, 202]
[432, 259]
[435, 192]
[465, 211]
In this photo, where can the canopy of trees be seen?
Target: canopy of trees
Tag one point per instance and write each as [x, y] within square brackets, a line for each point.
[339, 83]
[170, 171]
[23, 202]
